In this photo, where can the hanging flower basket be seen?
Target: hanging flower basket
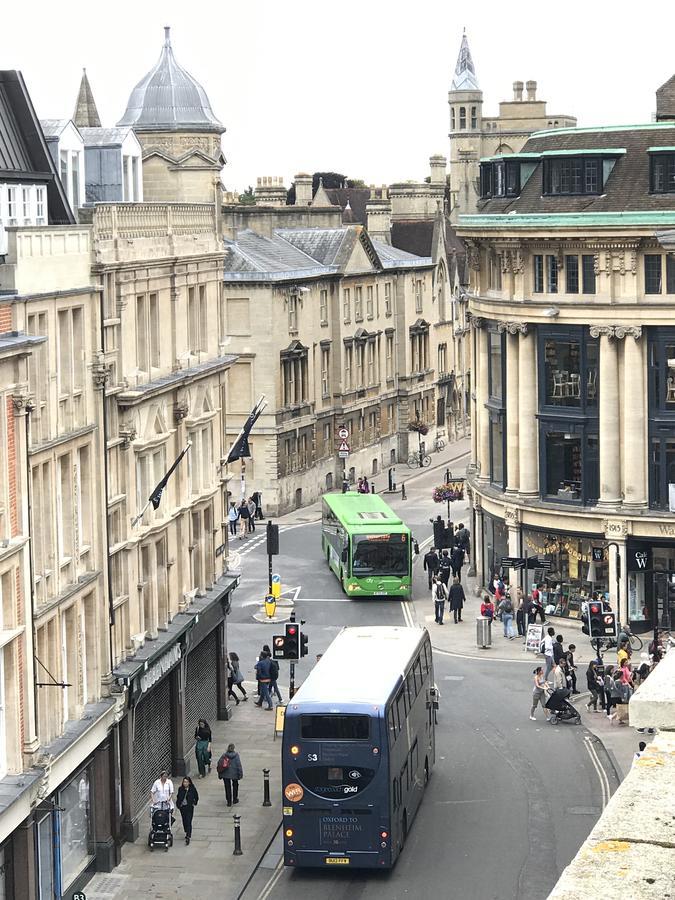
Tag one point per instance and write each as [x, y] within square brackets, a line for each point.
[446, 493]
[418, 426]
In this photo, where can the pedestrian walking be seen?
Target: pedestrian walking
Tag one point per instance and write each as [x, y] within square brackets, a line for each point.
[230, 771]
[463, 539]
[536, 607]
[626, 681]
[444, 568]
[457, 561]
[595, 686]
[236, 676]
[186, 801]
[559, 676]
[520, 614]
[162, 792]
[233, 518]
[612, 692]
[257, 496]
[457, 598]
[438, 595]
[263, 671]
[505, 607]
[430, 564]
[203, 747]
[251, 506]
[366, 485]
[274, 674]
[571, 668]
[539, 693]
[548, 651]
[243, 518]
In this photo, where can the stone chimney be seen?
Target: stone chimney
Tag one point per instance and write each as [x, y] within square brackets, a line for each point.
[303, 189]
[438, 166]
[531, 88]
[518, 91]
[378, 217]
[270, 191]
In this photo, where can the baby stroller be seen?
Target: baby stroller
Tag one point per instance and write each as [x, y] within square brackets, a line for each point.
[160, 827]
[561, 708]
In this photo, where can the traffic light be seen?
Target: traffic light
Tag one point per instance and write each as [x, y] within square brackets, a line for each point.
[292, 642]
[595, 622]
[304, 641]
[272, 540]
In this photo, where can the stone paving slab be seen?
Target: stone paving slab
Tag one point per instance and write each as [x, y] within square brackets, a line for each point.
[207, 868]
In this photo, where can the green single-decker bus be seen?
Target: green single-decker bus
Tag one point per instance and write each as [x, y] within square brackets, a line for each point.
[367, 545]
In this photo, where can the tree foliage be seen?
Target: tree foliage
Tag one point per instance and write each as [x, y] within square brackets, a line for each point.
[248, 197]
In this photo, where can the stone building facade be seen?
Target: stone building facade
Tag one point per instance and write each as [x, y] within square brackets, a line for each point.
[574, 342]
[334, 328]
[474, 135]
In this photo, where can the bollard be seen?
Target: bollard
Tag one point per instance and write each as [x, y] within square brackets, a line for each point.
[403, 496]
[372, 487]
[237, 836]
[448, 476]
[266, 788]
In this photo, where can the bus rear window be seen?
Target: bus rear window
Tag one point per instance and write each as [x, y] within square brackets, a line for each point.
[335, 727]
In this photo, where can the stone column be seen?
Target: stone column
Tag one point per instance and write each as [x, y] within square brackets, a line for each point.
[527, 412]
[512, 414]
[610, 454]
[482, 390]
[634, 421]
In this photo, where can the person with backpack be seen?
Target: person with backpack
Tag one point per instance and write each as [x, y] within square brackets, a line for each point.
[487, 608]
[444, 568]
[506, 609]
[274, 674]
[230, 771]
[457, 598]
[233, 518]
[235, 677]
[438, 595]
[263, 672]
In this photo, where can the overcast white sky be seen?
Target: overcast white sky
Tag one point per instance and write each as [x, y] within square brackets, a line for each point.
[355, 86]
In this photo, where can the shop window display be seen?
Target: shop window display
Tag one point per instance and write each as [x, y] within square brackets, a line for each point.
[76, 841]
[573, 578]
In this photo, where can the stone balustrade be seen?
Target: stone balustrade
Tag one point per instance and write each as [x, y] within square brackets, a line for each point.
[45, 258]
[129, 221]
[631, 850]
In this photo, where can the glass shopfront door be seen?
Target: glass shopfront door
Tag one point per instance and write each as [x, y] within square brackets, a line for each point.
[45, 857]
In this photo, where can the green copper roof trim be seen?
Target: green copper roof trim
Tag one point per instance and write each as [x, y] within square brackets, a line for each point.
[660, 149]
[566, 220]
[648, 126]
[508, 156]
[607, 151]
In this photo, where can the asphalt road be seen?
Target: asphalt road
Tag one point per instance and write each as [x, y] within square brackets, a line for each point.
[509, 802]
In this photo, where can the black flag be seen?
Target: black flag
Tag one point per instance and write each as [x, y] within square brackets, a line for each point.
[240, 448]
[156, 496]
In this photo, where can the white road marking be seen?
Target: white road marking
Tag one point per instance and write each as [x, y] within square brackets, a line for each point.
[454, 678]
[267, 890]
[469, 656]
[602, 775]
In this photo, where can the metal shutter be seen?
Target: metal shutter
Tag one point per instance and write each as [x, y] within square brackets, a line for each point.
[201, 687]
[152, 742]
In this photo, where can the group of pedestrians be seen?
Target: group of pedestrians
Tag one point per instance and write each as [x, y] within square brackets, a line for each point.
[241, 516]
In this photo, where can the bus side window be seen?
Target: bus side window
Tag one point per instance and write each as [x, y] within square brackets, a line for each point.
[401, 710]
[410, 683]
[414, 758]
[417, 669]
[391, 725]
[404, 774]
[396, 793]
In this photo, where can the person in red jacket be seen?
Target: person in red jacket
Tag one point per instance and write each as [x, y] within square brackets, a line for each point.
[487, 608]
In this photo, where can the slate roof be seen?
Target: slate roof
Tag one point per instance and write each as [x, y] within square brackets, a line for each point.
[53, 127]
[464, 78]
[104, 137]
[305, 252]
[355, 197]
[626, 188]
[169, 99]
[86, 114]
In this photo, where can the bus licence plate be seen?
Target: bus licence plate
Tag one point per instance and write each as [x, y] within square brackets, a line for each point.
[337, 860]
[380, 593]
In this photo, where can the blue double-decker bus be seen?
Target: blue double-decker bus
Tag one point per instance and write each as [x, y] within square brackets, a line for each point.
[358, 749]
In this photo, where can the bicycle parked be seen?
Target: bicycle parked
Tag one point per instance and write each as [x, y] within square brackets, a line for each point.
[419, 460]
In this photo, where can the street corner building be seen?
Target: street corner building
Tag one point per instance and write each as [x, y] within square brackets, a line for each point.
[571, 303]
[335, 325]
[114, 581]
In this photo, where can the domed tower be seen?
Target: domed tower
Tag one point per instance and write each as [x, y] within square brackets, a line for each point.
[179, 133]
[465, 99]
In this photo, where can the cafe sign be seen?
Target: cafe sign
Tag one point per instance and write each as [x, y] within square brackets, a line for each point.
[159, 669]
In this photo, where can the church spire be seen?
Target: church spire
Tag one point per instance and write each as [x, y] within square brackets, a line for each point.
[86, 115]
[465, 73]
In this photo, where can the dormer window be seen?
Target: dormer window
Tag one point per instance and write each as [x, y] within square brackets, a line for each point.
[573, 175]
[500, 179]
[662, 171]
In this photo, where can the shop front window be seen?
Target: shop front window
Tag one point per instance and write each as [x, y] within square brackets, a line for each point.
[570, 371]
[76, 826]
[495, 546]
[661, 374]
[572, 578]
[5, 874]
[662, 473]
[45, 858]
[570, 462]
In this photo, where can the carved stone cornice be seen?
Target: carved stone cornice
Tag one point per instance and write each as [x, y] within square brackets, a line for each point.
[100, 371]
[477, 321]
[512, 327]
[22, 400]
[128, 434]
[616, 331]
[180, 410]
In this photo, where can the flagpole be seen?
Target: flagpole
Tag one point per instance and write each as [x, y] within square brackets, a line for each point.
[160, 487]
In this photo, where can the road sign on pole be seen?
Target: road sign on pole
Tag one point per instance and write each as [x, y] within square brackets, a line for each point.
[343, 433]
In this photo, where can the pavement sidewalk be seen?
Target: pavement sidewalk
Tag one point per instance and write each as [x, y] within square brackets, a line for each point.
[207, 868]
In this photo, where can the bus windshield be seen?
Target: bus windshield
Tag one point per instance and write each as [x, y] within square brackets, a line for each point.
[380, 554]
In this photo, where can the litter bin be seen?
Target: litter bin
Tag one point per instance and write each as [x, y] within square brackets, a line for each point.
[483, 632]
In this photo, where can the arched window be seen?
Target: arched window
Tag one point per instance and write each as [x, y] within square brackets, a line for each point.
[452, 119]
[474, 118]
[462, 117]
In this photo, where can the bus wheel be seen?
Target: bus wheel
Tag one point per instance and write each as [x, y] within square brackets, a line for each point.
[426, 771]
